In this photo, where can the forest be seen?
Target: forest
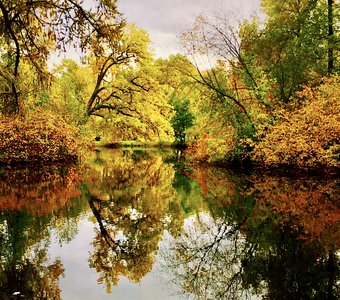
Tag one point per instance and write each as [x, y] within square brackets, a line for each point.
[264, 91]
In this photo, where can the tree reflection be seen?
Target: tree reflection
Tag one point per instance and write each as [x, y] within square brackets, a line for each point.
[33, 202]
[40, 190]
[133, 201]
[261, 237]
[25, 268]
[206, 259]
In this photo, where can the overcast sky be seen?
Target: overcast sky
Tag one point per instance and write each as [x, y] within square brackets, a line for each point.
[166, 19]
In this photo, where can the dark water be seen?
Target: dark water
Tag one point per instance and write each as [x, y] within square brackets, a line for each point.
[143, 225]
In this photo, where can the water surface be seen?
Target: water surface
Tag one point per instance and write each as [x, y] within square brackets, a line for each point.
[141, 224]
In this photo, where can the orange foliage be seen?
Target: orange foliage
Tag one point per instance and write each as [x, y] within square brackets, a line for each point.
[308, 205]
[313, 209]
[216, 143]
[308, 136]
[214, 182]
[39, 139]
[38, 191]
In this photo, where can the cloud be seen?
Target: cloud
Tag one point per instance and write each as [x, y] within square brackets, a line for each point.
[166, 19]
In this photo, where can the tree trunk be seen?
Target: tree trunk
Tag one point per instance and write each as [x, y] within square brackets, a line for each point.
[330, 37]
[10, 105]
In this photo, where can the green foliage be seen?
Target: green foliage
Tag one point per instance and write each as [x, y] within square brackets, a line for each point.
[259, 68]
[291, 44]
[182, 120]
[69, 91]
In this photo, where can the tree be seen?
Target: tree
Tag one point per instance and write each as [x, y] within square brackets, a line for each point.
[182, 120]
[235, 92]
[178, 89]
[30, 30]
[208, 39]
[70, 88]
[128, 52]
[295, 41]
[135, 106]
[330, 15]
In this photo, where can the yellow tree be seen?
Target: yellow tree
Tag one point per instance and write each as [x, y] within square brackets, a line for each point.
[31, 29]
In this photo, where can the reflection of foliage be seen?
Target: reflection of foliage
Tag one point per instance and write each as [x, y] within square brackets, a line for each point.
[313, 209]
[24, 265]
[33, 201]
[38, 190]
[223, 189]
[207, 259]
[188, 190]
[31, 279]
[131, 200]
[268, 235]
[212, 260]
[311, 204]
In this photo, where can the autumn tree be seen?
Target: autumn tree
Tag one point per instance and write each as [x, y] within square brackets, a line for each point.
[138, 108]
[112, 67]
[31, 30]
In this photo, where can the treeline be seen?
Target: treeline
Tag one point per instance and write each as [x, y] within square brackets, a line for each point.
[269, 93]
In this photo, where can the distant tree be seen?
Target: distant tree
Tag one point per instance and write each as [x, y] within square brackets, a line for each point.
[182, 120]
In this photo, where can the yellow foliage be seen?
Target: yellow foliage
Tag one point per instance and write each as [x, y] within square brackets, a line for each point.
[216, 143]
[309, 135]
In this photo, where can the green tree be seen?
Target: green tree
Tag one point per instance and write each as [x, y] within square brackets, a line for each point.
[296, 40]
[69, 90]
[182, 120]
[178, 86]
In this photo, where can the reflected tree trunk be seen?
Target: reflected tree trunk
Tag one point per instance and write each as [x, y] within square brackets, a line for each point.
[331, 280]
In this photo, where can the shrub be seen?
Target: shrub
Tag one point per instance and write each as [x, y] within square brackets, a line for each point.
[309, 135]
[42, 138]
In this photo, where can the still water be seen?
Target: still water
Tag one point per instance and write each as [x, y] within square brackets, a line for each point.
[141, 224]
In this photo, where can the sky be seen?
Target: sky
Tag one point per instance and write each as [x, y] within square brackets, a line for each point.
[165, 20]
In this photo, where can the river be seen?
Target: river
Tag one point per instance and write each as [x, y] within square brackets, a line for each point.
[142, 224]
